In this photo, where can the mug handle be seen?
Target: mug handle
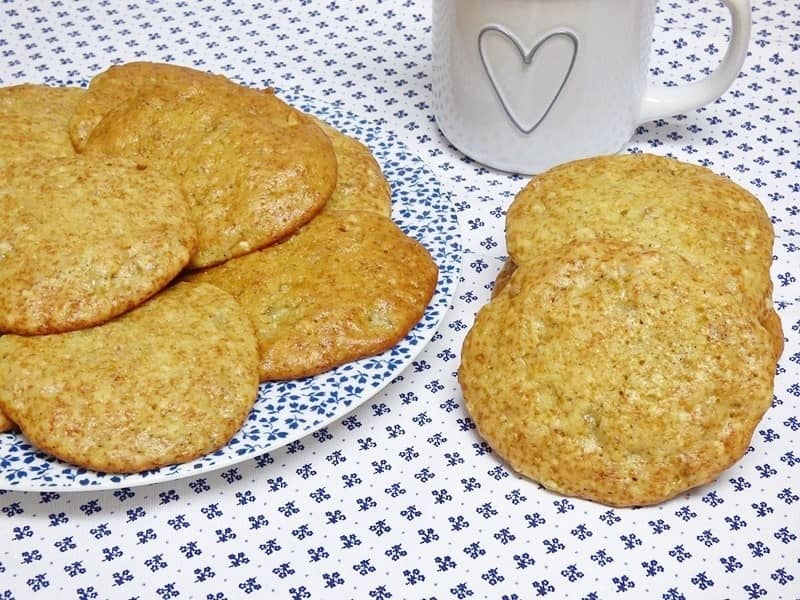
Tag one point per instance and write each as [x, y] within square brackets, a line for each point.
[660, 102]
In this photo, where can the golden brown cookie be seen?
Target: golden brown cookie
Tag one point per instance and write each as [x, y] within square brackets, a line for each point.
[83, 240]
[253, 168]
[656, 202]
[769, 320]
[119, 83]
[360, 184]
[615, 373]
[349, 284]
[165, 383]
[34, 121]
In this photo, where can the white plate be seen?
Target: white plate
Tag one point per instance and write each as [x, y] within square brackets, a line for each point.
[286, 411]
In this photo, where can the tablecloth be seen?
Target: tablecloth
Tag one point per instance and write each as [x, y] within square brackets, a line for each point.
[401, 498]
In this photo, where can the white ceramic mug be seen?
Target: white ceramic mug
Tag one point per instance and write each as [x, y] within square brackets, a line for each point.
[522, 85]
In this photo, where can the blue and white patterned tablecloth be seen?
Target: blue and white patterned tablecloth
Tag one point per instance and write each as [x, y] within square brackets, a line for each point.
[401, 498]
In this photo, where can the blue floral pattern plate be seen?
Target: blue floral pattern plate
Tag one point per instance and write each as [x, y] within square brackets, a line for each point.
[288, 410]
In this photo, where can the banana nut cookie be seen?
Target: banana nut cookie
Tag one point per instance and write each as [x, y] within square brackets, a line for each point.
[348, 285]
[616, 373]
[657, 202]
[770, 321]
[360, 184]
[164, 383]
[83, 240]
[253, 168]
[120, 83]
[35, 121]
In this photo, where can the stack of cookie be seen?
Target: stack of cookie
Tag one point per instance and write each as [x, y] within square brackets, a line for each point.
[629, 348]
[168, 240]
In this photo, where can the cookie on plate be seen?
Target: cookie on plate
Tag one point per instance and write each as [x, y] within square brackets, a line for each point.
[34, 121]
[616, 373]
[656, 202]
[165, 383]
[360, 184]
[119, 83]
[253, 168]
[83, 240]
[348, 285]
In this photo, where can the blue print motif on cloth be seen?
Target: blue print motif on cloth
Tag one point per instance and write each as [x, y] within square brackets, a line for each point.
[394, 495]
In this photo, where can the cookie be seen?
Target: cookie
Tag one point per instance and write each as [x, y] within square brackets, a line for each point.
[119, 83]
[360, 184]
[656, 202]
[253, 168]
[6, 424]
[615, 373]
[348, 285]
[83, 240]
[769, 320]
[165, 383]
[34, 121]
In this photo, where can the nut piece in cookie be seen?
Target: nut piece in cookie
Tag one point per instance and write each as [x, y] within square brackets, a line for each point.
[85, 239]
[165, 383]
[253, 168]
[348, 285]
[615, 373]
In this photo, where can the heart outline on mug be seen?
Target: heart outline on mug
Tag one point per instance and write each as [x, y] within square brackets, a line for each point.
[527, 58]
